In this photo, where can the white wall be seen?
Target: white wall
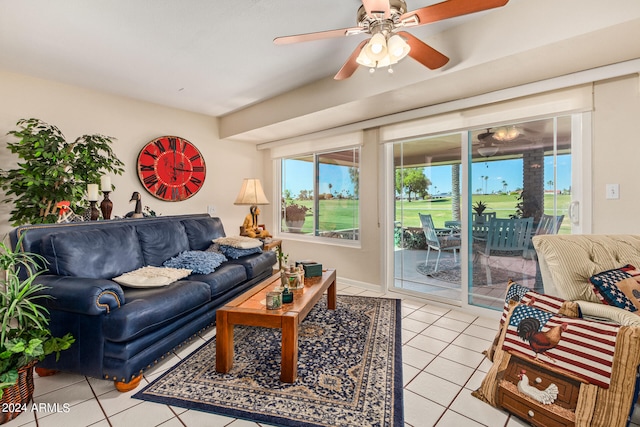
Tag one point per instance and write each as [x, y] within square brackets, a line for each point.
[616, 155]
[76, 111]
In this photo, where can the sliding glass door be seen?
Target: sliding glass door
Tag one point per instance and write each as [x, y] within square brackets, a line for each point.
[427, 221]
[464, 247]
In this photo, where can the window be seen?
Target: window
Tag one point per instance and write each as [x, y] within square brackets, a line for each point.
[320, 194]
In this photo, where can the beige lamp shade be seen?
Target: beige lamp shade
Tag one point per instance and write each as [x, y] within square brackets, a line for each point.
[251, 193]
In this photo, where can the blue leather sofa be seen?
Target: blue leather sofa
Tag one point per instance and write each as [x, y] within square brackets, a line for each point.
[122, 331]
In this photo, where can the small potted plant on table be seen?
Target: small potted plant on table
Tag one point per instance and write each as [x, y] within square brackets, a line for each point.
[24, 338]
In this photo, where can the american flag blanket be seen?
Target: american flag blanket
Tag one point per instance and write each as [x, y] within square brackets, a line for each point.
[519, 293]
[582, 347]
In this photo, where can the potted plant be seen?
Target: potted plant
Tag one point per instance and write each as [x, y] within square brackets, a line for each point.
[294, 215]
[24, 338]
[52, 170]
[479, 207]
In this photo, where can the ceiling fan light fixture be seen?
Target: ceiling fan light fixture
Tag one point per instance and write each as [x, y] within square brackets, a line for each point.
[397, 47]
[506, 133]
[488, 151]
[376, 49]
[363, 59]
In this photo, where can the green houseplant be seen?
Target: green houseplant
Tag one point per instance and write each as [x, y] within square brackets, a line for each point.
[52, 169]
[24, 338]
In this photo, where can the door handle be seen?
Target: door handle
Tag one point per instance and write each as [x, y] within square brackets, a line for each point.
[574, 212]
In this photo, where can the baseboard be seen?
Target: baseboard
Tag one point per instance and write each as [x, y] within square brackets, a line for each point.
[343, 281]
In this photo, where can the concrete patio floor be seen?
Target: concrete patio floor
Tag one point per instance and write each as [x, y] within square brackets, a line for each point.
[489, 294]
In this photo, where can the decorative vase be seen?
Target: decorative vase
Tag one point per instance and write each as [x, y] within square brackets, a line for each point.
[294, 226]
[15, 398]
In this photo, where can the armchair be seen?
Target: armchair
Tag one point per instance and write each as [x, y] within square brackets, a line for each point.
[568, 261]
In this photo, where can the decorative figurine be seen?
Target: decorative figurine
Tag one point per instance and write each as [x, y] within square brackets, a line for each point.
[137, 213]
[250, 225]
[66, 214]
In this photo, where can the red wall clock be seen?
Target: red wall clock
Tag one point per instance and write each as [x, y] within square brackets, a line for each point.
[171, 168]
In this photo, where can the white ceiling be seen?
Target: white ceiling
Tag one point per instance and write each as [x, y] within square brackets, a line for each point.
[210, 57]
[216, 57]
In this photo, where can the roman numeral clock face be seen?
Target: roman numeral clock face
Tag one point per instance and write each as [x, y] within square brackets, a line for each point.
[171, 168]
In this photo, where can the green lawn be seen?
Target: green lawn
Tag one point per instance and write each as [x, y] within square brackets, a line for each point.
[440, 209]
[335, 214]
[341, 214]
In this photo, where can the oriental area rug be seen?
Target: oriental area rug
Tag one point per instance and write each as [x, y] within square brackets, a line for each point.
[349, 371]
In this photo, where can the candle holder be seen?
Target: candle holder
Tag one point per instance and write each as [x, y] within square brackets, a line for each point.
[95, 213]
[106, 206]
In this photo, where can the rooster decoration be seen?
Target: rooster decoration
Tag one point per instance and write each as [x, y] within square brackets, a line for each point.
[540, 342]
[66, 214]
[546, 396]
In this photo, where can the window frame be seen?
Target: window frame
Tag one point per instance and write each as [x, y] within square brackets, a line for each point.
[313, 236]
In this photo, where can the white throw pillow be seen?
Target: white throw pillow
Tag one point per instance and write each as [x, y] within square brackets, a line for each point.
[240, 242]
[149, 277]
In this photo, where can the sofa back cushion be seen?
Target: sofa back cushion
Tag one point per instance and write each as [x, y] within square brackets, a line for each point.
[160, 242]
[201, 231]
[93, 253]
[567, 262]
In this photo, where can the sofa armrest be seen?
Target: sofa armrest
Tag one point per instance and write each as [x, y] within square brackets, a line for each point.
[81, 295]
[609, 313]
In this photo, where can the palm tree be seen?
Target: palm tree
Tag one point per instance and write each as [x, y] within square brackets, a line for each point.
[486, 179]
[455, 192]
[504, 186]
[482, 177]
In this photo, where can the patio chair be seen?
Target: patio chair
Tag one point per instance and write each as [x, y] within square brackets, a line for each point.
[480, 224]
[438, 242]
[505, 237]
[548, 224]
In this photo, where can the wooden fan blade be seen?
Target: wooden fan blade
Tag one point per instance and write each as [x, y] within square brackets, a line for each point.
[351, 65]
[375, 8]
[317, 36]
[423, 53]
[451, 9]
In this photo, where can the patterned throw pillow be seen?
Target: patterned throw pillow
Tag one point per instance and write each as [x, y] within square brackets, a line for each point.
[619, 287]
[151, 277]
[235, 253]
[240, 242]
[200, 262]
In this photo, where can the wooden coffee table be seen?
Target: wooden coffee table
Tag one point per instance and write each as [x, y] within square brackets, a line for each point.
[250, 309]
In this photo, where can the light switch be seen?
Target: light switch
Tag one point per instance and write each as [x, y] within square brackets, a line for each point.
[613, 191]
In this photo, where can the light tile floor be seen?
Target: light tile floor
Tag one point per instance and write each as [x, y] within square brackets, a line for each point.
[443, 364]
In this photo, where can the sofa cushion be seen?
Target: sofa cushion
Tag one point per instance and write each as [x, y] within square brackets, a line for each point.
[198, 262]
[149, 309]
[256, 264]
[151, 277]
[618, 287]
[202, 231]
[226, 277]
[93, 253]
[160, 242]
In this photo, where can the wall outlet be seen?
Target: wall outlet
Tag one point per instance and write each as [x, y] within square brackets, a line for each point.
[613, 191]
[211, 209]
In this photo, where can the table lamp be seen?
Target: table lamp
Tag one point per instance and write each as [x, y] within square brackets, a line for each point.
[252, 194]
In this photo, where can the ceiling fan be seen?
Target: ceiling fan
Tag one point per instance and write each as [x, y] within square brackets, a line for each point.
[383, 19]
